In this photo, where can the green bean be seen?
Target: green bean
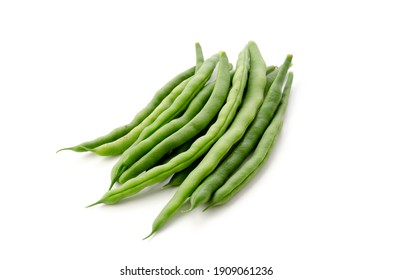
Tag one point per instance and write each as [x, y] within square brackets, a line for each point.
[123, 130]
[250, 140]
[182, 148]
[270, 69]
[178, 178]
[248, 170]
[201, 145]
[198, 123]
[131, 164]
[199, 56]
[251, 103]
[180, 104]
[141, 148]
[176, 151]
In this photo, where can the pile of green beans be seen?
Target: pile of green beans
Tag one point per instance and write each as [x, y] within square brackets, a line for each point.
[205, 133]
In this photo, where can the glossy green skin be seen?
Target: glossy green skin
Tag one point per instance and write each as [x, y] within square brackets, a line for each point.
[184, 147]
[191, 129]
[251, 103]
[185, 159]
[140, 149]
[179, 177]
[180, 104]
[123, 130]
[248, 143]
[248, 170]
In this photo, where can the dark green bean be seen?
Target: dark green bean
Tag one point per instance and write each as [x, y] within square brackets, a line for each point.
[250, 106]
[123, 130]
[248, 170]
[250, 140]
[200, 121]
[184, 147]
[130, 164]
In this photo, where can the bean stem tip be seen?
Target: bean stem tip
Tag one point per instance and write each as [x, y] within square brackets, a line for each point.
[151, 233]
[64, 149]
[95, 203]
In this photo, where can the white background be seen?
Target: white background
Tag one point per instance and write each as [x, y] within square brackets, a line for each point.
[73, 70]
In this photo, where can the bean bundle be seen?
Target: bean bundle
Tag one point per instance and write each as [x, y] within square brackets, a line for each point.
[209, 133]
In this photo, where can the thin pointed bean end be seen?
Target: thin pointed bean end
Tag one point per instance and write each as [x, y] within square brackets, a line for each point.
[95, 203]
[148, 236]
[78, 149]
[66, 149]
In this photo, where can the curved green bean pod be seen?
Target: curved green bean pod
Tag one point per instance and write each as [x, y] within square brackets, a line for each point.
[182, 148]
[139, 117]
[180, 104]
[178, 150]
[200, 146]
[143, 147]
[179, 177]
[250, 140]
[137, 151]
[198, 123]
[248, 170]
[130, 165]
[250, 106]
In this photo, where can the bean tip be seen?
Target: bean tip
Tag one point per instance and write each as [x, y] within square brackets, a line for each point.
[222, 53]
[95, 203]
[112, 183]
[63, 149]
[151, 233]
